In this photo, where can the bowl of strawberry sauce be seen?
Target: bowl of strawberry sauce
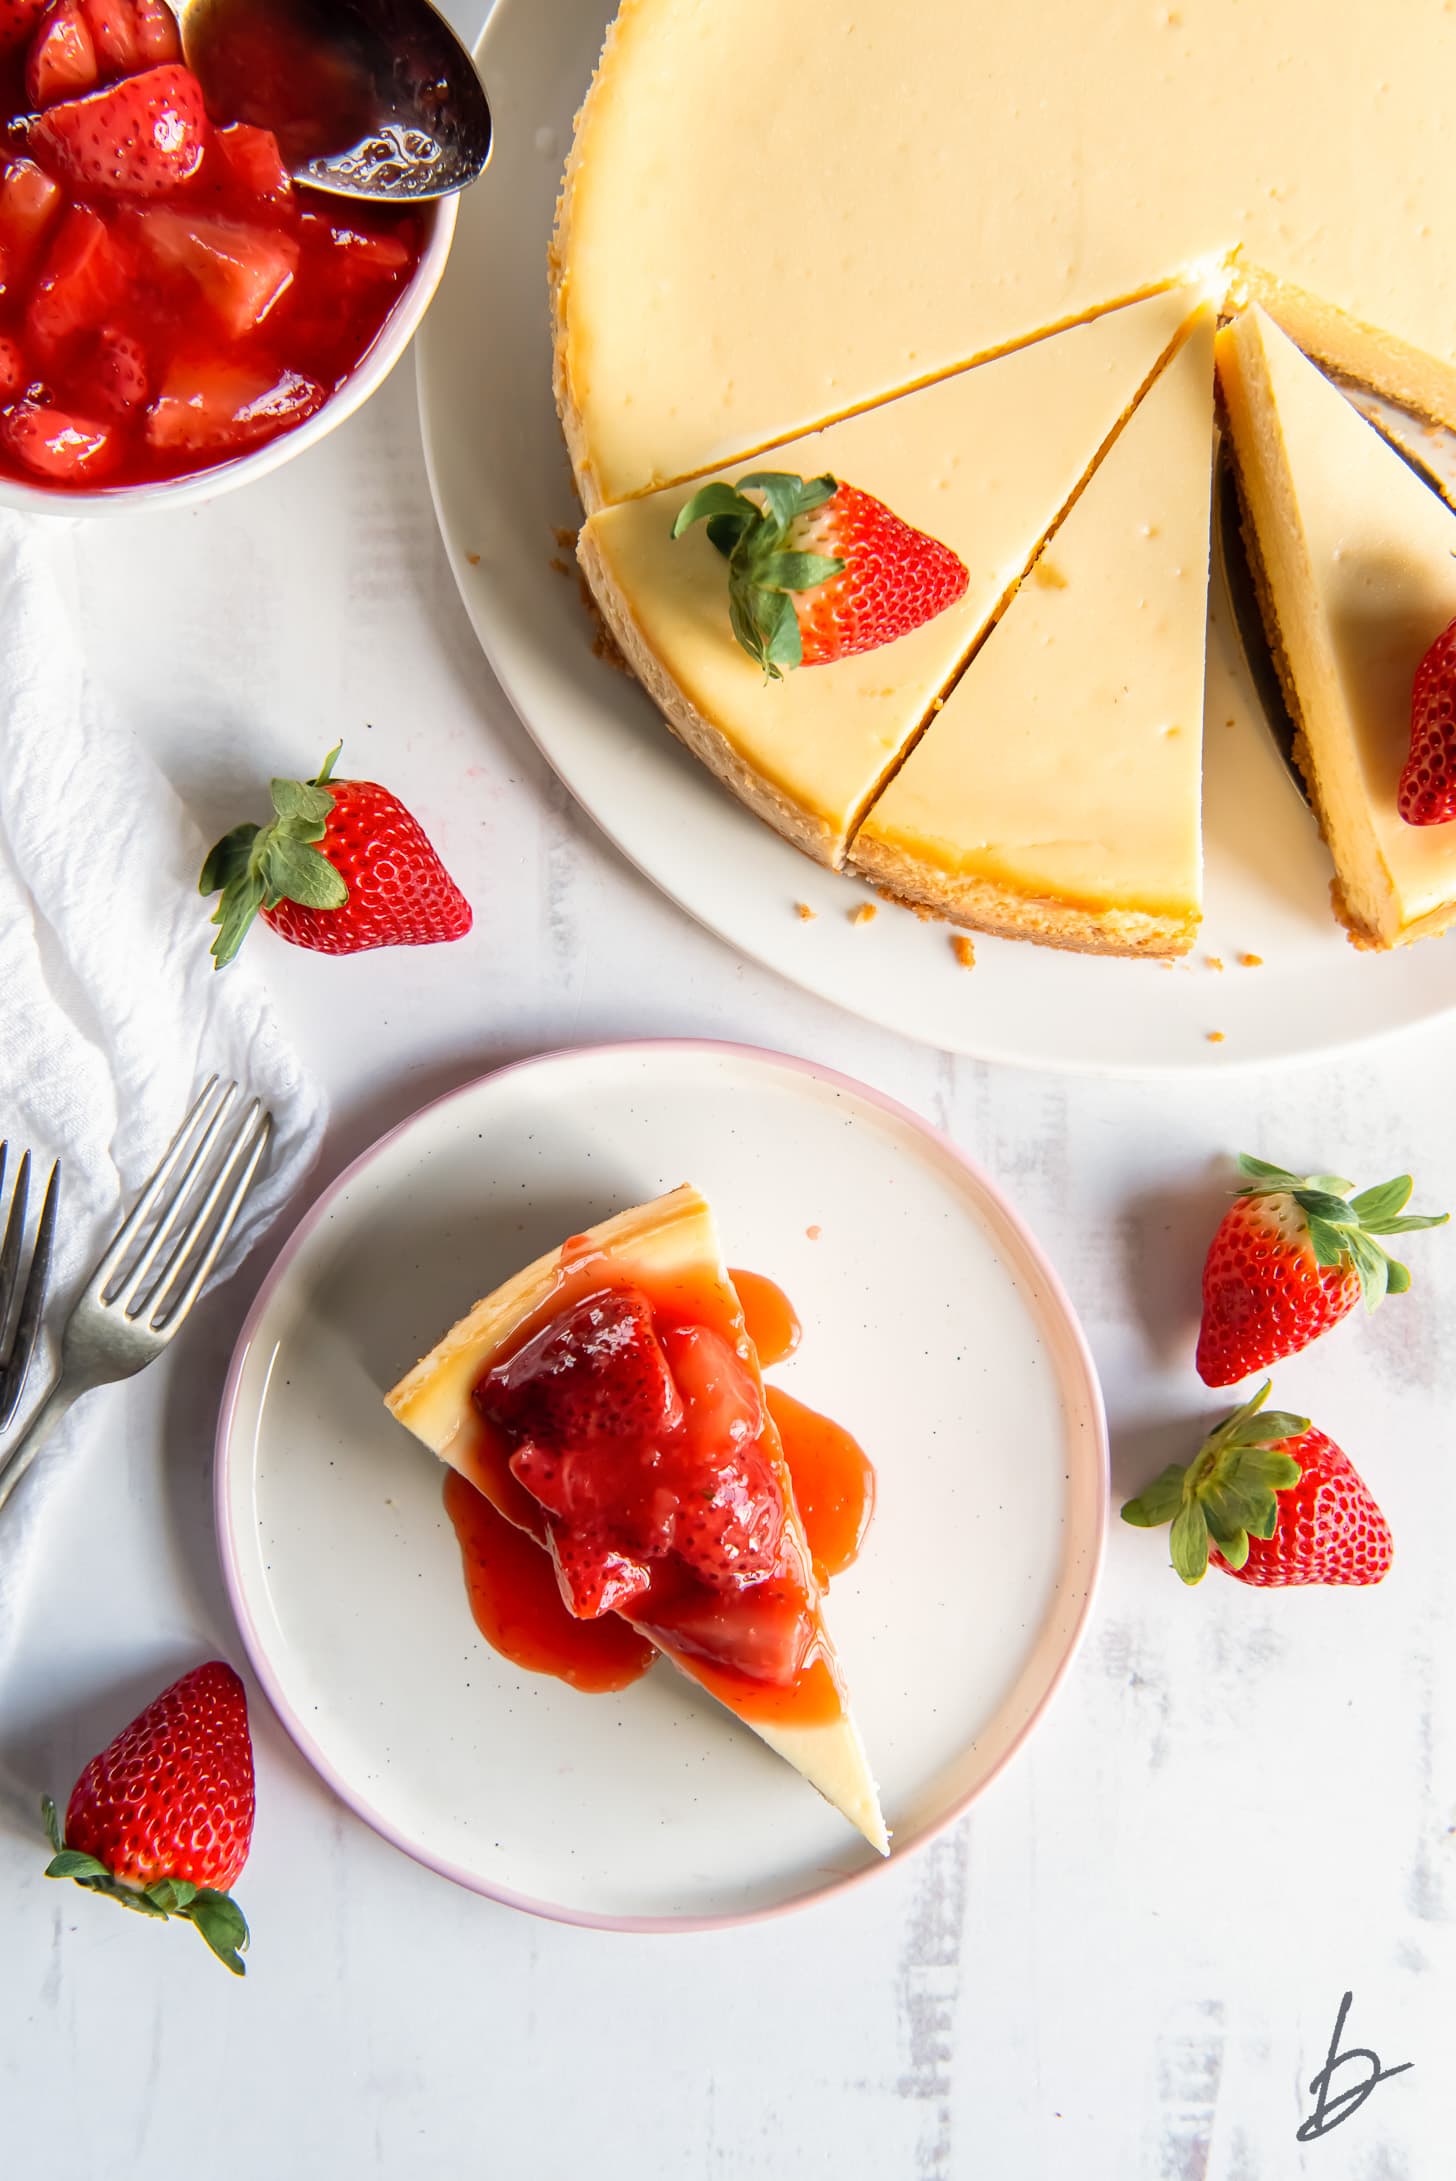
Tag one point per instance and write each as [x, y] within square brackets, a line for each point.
[176, 315]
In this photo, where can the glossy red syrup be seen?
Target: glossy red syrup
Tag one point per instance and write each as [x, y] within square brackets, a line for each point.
[218, 361]
[514, 1594]
[519, 1609]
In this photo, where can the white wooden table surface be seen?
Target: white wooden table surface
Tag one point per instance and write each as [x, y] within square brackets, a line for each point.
[1125, 1964]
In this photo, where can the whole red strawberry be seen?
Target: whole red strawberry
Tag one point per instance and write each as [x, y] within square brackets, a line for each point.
[1289, 1259]
[820, 570]
[1270, 1500]
[141, 137]
[341, 866]
[1427, 791]
[163, 1818]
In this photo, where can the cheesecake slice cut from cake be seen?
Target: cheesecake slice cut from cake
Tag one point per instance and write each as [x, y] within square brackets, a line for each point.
[985, 461]
[1056, 795]
[608, 1400]
[1354, 561]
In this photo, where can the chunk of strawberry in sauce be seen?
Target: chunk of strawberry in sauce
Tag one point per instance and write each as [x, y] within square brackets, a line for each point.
[62, 59]
[766, 1633]
[54, 444]
[84, 275]
[207, 405]
[29, 202]
[240, 271]
[18, 19]
[595, 1377]
[595, 1577]
[142, 137]
[12, 366]
[133, 34]
[251, 156]
[115, 377]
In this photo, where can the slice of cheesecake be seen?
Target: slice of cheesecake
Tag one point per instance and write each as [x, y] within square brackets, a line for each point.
[1056, 795]
[608, 1400]
[985, 461]
[1355, 565]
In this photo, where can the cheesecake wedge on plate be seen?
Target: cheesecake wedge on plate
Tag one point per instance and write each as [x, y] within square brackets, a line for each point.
[1354, 561]
[608, 1400]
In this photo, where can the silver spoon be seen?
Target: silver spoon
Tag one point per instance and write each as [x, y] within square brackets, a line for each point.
[367, 98]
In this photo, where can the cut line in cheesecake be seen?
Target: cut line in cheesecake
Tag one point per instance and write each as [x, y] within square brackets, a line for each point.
[987, 460]
[1354, 562]
[766, 217]
[608, 1400]
[1057, 793]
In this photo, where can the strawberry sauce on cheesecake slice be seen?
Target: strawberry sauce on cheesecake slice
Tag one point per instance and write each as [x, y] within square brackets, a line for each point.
[608, 1401]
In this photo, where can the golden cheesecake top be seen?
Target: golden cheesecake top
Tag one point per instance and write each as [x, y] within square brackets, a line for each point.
[1057, 794]
[773, 215]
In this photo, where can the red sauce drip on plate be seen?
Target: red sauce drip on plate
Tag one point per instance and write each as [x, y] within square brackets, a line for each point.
[519, 1609]
[834, 1482]
[514, 1594]
[772, 1322]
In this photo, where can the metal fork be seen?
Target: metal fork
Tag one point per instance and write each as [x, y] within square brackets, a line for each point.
[21, 1304]
[153, 1270]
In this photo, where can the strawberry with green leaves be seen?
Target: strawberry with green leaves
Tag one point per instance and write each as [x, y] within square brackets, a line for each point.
[1270, 1500]
[818, 570]
[162, 1820]
[1292, 1256]
[340, 867]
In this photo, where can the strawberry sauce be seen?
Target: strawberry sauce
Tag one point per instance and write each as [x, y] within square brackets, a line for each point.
[758, 1619]
[169, 299]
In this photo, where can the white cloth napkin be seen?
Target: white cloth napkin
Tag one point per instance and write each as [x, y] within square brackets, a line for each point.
[111, 1015]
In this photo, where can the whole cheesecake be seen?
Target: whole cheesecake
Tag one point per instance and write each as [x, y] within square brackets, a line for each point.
[943, 255]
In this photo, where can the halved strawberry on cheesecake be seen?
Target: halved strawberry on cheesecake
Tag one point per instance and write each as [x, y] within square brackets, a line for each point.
[608, 1400]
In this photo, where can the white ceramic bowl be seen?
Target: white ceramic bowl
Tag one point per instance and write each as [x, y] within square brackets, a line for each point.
[372, 370]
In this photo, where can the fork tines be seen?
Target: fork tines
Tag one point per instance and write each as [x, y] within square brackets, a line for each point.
[22, 1299]
[165, 1249]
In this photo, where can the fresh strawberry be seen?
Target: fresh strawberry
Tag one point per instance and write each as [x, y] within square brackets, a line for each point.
[142, 137]
[253, 159]
[1427, 791]
[867, 576]
[115, 377]
[83, 278]
[210, 402]
[595, 1377]
[240, 270]
[1270, 1500]
[163, 1818]
[341, 866]
[18, 19]
[56, 445]
[62, 58]
[12, 366]
[1289, 1259]
[29, 201]
[133, 34]
[594, 1576]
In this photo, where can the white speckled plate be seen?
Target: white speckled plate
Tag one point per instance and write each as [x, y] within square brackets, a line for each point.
[932, 1328]
[503, 490]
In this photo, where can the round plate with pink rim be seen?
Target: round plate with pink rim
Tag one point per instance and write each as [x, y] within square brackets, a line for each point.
[933, 1329]
[508, 512]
